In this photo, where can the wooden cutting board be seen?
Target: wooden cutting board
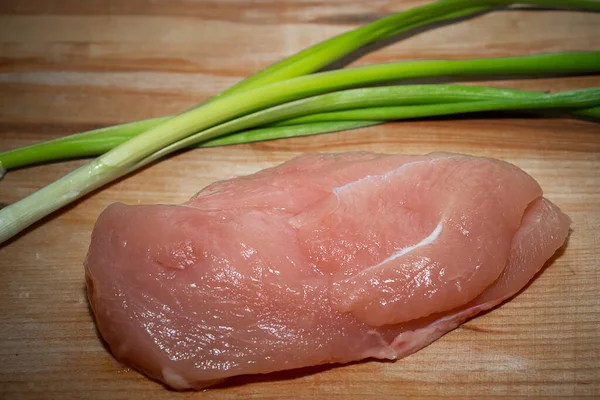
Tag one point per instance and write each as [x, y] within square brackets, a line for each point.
[69, 65]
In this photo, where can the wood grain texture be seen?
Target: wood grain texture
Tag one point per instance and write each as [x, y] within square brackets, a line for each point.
[69, 65]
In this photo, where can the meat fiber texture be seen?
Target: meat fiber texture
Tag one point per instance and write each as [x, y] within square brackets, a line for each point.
[327, 258]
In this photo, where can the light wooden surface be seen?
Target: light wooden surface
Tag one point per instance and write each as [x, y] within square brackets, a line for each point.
[70, 65]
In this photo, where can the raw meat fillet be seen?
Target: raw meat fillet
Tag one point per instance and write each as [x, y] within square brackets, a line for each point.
[328, 258]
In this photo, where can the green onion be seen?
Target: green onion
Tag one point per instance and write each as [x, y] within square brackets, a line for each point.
[84, 144]
[415, 101]
[324, 53]
[591, 113]
[283, 83]
[99, 141]
[277, 132]
[583, 98]
[302, 63]
[298, 118]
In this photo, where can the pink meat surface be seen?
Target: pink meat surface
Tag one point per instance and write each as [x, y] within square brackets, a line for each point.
[328, 258]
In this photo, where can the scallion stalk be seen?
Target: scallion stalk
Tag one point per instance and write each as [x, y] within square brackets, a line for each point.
[316, 57]
[98, 141]
[414, 102]
[302, 63]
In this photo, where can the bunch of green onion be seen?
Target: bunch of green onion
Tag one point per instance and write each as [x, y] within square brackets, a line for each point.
[291, 99]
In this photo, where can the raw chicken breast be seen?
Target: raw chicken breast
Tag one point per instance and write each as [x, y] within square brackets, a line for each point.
[328, 258]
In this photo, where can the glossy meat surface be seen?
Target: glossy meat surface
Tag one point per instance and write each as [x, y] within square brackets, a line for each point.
[326, 258]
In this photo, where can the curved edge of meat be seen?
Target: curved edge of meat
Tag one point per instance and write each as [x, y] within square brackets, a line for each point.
[543, 231]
